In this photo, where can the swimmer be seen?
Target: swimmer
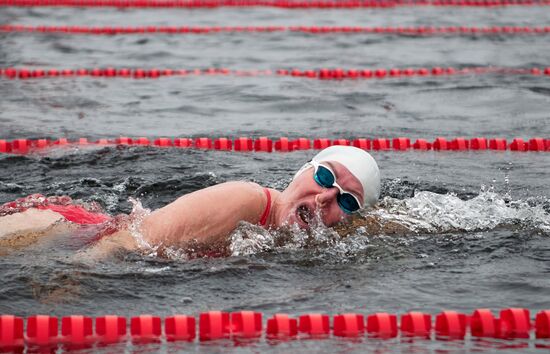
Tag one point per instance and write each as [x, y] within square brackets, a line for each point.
[337, 183]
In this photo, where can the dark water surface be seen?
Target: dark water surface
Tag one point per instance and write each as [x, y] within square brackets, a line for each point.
[481, 221]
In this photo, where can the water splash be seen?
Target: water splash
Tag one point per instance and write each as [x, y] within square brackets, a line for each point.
[424, 213]
[250, 239]
[136, 216]
[437, 213]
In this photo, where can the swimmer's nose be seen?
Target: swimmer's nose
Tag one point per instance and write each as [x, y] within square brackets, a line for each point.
[326, 197]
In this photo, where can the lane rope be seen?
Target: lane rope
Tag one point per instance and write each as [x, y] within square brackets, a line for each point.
[409, 31]
[286, 4]
[43, 330]
[323, 74]
[284, 144]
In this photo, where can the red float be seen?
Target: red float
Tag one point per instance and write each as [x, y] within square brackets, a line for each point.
[459, 144]
[95, 72]
[349, 325]
[5, 146]
[537, 144]
[103, 142]
[519, 145]
[422, 144]
[320, 144]
[223, 144]
[40, 143]
[301, 144]
[20, 146]
[361, 144]
[441, 144]
[284, 145]
[450, 324]
[243, 144]
[542, 324]
[183, 142]
[180, 327]
[343, 142]
[61, 141]
[352, 74]
[145, 328]
[123, 141]
[246, 324]
[366, 73]
[416, 324]
[280, 326]
[315, 325]
[382, 325]
[110, 329]
[109, 72]
[11, 332]
[124, 72]
[38, 73]
[478, 144]
[263, 144]
[214, 325]
[401, 143]
[142, 141]
[408, 72]
[24, 74]
[338, 74]
[483, 324]
[381, 144]
[77, 330]
[139, 74]
[82, 72]
[203, 143]
[514, 323]
[380, 73]
[164, 142]
[42, 330]
[497, 144]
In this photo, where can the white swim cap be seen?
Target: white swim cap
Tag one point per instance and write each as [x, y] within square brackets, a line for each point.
[359, 162]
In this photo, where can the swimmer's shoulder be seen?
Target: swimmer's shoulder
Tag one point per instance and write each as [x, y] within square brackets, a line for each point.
[252, 195]
[256, 191]
[244, 187]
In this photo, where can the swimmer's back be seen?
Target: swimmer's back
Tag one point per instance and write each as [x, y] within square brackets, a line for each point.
[30, 220]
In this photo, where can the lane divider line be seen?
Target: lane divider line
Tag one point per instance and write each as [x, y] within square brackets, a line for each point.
[283, 144]
[323, 74]
[285, 4]
[78, 330]
[188, 30]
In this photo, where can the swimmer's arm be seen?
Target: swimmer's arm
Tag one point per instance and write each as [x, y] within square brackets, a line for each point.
[207, 215]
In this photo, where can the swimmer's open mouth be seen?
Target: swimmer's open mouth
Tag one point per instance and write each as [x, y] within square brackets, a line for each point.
[304, 214]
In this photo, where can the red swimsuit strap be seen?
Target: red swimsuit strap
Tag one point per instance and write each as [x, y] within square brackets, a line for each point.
[265, 215]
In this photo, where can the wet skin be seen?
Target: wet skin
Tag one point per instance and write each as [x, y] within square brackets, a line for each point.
[304, 198]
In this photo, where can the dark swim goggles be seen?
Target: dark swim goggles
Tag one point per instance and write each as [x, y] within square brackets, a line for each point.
[326, 178]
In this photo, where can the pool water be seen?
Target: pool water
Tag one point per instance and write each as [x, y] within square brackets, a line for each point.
[479, 221]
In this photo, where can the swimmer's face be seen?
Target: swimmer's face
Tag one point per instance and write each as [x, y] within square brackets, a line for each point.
[304, 198]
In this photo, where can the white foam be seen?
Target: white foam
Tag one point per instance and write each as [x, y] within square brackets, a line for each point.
[425, 213]
[439, 213]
